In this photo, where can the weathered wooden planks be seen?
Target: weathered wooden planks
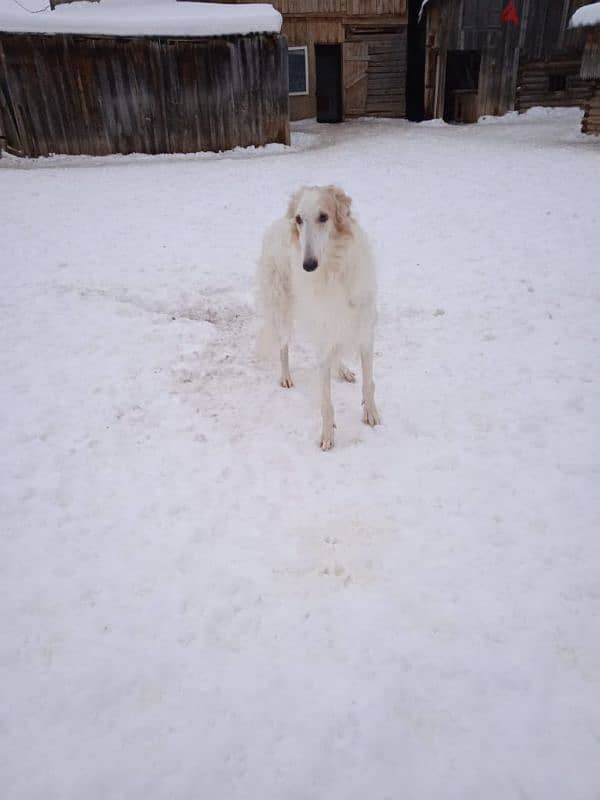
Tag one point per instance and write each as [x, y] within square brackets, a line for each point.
[375, 74]
[510, 54]
[98, 95]
[591, 116]
[535, 86]
[454, 25]
[356, 65]
[544, 29]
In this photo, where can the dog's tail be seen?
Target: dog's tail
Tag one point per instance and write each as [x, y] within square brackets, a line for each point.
[273, 303]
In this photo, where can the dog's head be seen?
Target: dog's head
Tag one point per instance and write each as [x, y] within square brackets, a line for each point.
[318, 215]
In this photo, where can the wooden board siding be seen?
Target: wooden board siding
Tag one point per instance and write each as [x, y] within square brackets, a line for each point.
[386, 75]
[374, 65]
[548, 48]
[375, 75]
[98, 95]
[544, 32]
[591, 116]
[311, 22]
[450, 28]
[506, 50]
[321, 31]
[343, 8]
[534, 85]
[307, 32]
[356, 65]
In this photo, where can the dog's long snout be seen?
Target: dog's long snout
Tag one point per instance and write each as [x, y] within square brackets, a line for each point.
[310, 264]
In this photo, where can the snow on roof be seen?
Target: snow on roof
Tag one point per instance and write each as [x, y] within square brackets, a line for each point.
[587, 15]
[139, 17]
[422, 9]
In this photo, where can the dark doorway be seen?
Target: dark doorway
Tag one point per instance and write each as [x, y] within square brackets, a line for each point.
[462, 84]
[415, 63]
[328, 59]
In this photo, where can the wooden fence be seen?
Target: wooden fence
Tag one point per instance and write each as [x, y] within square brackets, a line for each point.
[97, 95]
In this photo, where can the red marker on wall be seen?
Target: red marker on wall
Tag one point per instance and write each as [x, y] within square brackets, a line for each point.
[509, 14]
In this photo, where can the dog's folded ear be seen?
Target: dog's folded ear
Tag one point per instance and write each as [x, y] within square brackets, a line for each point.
[293, 204]
[343, 204]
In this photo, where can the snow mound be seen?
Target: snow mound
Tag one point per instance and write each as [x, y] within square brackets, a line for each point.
[142, 18]
[588, 15]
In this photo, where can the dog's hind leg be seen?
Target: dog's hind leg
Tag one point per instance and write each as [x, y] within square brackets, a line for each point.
[370, 413]
[326, 406]
[286, 379]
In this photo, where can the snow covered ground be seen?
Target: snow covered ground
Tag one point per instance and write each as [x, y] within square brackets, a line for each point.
[197, 602]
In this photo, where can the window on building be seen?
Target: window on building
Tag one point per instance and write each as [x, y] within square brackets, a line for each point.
[298, 70]
[557, 83]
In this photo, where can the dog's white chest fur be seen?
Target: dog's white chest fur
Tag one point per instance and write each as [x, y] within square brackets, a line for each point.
[329, 306]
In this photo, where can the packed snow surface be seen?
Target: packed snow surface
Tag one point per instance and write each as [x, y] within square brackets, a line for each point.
[197, 602]
[139, 17]
[587, 15]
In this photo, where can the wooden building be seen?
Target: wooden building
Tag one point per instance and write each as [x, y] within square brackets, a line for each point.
[550, 56]
[355, 57]
[491, 56]
[119, 92]
[588, 21]
[472, 59]
[347, 58]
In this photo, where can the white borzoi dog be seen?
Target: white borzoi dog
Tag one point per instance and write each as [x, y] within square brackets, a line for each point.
[316, 270]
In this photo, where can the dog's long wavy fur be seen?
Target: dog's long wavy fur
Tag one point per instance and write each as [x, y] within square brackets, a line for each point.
[316, 272]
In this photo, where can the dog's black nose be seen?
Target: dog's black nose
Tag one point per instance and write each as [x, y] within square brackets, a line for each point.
[310, 264]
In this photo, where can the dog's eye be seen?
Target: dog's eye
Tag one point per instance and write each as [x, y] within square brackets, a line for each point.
[298, 219]
[323, 217]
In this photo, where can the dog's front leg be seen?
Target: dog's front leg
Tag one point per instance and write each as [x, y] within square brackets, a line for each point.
[370, 413]
[326, 405]
[286, 379]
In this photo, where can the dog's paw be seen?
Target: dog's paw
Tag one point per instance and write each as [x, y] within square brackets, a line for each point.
[286, 381]
[327, 438]
[370, 414]
[346, 374]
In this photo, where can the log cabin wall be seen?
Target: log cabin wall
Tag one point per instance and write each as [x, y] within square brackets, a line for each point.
[555, 83]
[550, 57]
[591, 114]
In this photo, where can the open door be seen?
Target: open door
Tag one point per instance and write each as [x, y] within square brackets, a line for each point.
[462, 84]
[328, 58]
[415, 62]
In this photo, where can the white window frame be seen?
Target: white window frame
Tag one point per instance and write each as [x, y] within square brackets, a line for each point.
[307, 82]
